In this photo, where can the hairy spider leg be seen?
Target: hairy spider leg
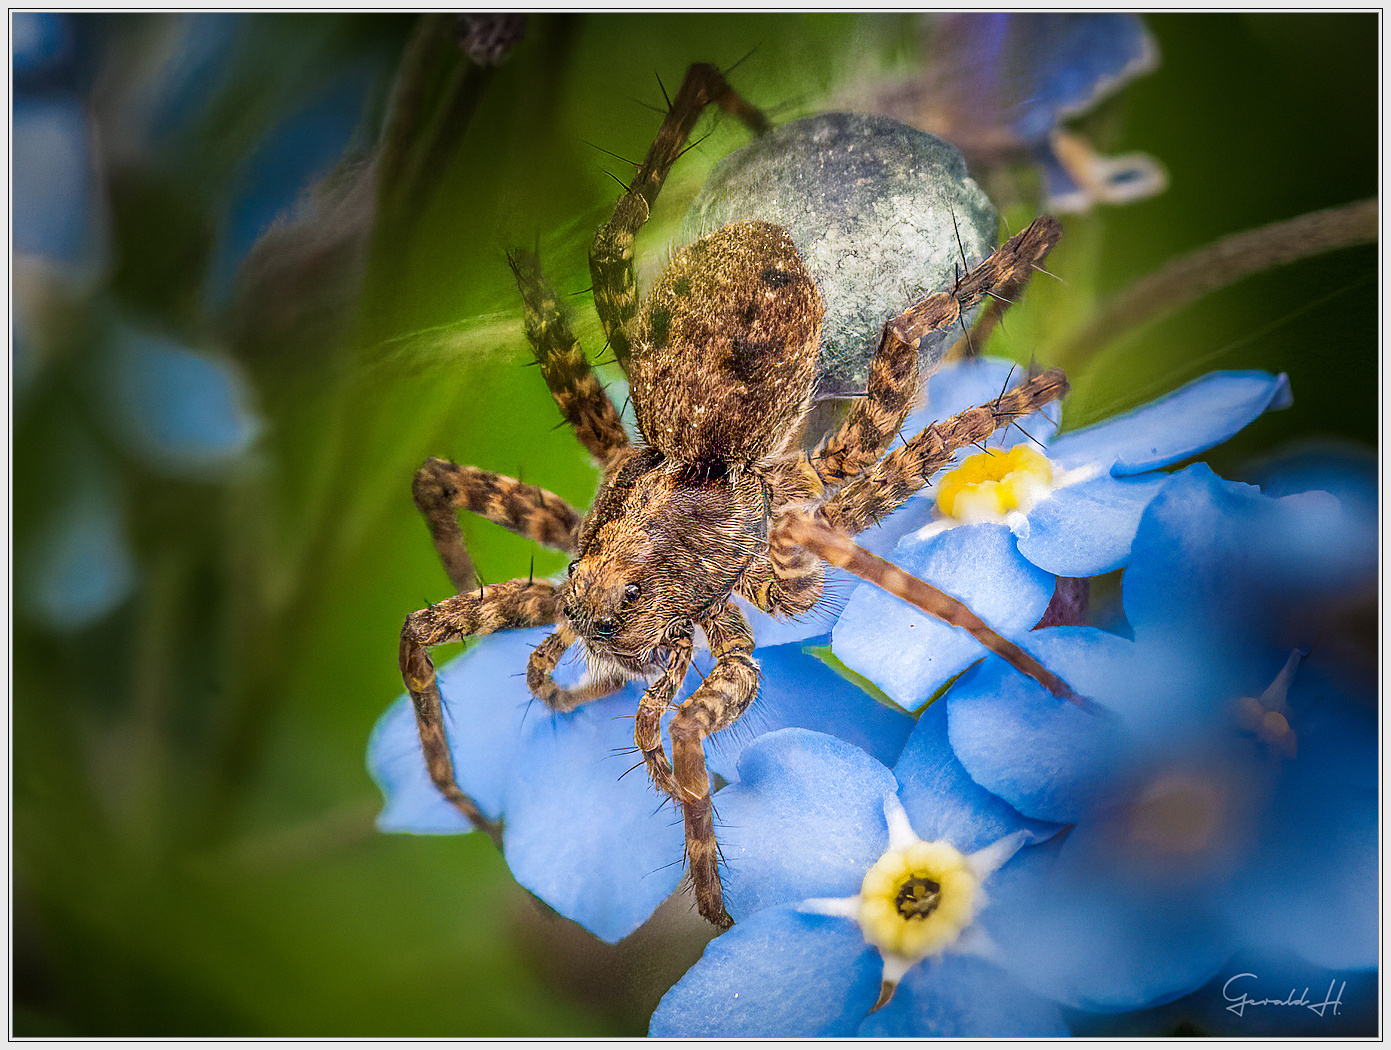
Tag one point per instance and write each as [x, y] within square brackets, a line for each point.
[908, 468]
[826, 530]
[576, 389]
[647, 729]
[611, 256]
[542, 664]
[719, 701]
[440, 487]
[893, 375]
[502, 606]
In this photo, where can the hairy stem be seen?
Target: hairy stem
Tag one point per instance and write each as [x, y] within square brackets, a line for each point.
[1188, 278]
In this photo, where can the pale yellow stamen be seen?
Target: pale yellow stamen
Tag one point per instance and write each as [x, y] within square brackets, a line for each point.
[988, 486]
[1267, 716]
[916, 900]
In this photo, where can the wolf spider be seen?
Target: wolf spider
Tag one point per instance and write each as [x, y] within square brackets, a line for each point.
[717, 499]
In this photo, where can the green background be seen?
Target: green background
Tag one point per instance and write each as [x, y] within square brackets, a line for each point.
[192, 841]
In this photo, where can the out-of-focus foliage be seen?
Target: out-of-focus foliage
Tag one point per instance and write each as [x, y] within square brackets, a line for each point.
[258, 276]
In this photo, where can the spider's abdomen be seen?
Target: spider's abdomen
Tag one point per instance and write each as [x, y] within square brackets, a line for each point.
[725, 348]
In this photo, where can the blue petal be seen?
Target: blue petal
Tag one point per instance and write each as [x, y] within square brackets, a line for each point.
[780, 974]
[977, 381]
[413, 803]
[39, 41]
[799, 690]
[484, 702]
[909, 653]
[187, 412]
[1315, 888]
[1087, 529]
[1095, 942]
[1193, 418]
[81, 567]
[53, 189]
[771, 630]
[1046, 757]
[942, 800]
[806, 819]
[601, 848]
[963, 997]
[1218, 566]
[1347, 469]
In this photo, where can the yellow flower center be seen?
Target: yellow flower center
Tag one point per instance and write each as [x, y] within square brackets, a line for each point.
[988, 486]
[916, 901]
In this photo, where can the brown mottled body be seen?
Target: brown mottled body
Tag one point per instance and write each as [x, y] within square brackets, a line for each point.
[716, 499]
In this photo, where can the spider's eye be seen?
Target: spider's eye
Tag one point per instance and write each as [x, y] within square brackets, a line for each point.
[571, 568]
[631, 592]
[604, 628]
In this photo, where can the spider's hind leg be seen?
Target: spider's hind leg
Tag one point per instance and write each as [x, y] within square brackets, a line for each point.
[611, 256]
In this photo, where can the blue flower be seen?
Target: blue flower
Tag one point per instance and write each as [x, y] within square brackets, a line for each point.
[597, 846]
[1231, 803]
[1077, 518]
[1001, 87]
[829, 852]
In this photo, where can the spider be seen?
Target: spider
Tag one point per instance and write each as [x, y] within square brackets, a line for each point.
[718, 498]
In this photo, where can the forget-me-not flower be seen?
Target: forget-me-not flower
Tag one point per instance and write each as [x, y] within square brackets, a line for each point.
[1230, 803]
[598, 846]
[1055, 506]
[867, 900]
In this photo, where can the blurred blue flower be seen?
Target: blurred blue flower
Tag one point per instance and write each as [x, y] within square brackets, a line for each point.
[1079, 522]
[598, 846]
[182, 411]
[57, 212]
[80, 567]
[278, 175]
[1231, 803]
[39, 42]
[829, 852]
[1000, 87]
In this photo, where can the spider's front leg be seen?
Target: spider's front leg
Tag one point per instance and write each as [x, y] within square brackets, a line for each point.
[441, 488]
[611, 256]
[577, 391]
[722, 697]
[516, 603]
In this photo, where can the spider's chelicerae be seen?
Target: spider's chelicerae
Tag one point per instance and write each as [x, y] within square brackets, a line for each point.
[717, 498]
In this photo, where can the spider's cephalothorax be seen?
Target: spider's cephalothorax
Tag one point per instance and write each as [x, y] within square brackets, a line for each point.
[718, 498]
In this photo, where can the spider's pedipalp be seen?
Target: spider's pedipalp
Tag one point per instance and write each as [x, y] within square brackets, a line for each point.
[647, 727]
[542, 664]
